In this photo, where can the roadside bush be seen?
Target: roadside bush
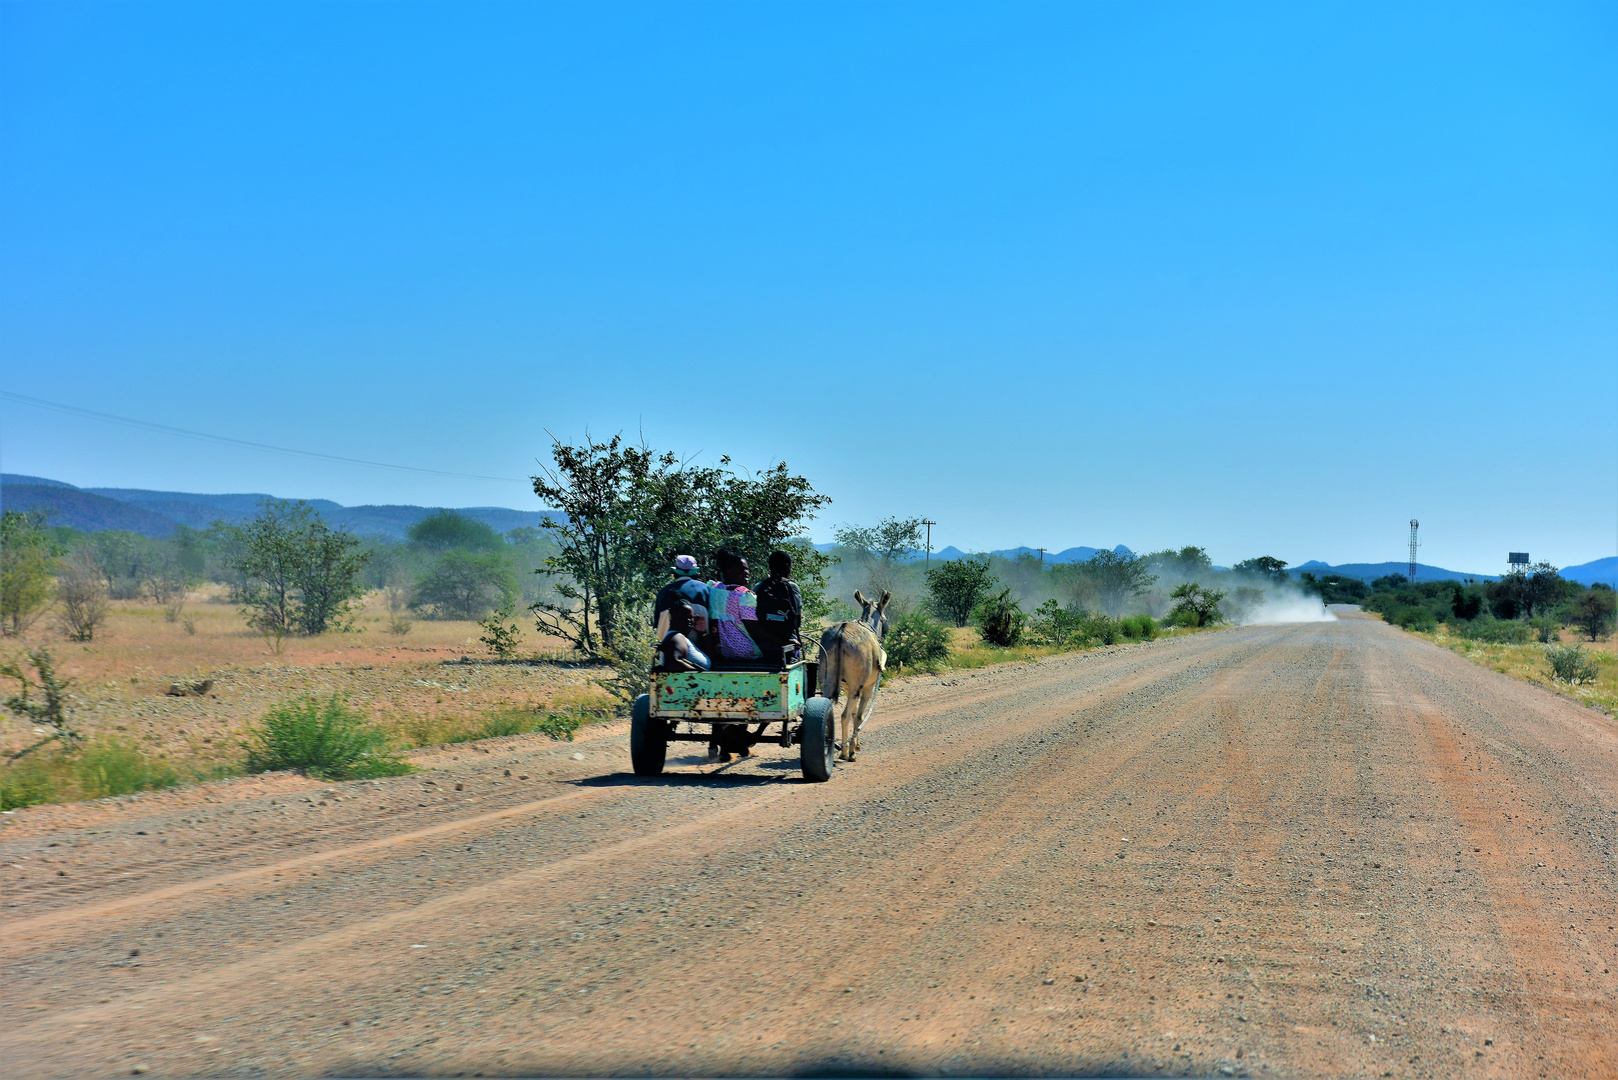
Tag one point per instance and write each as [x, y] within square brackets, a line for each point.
[328, 741]
[1547, 629]
[915, 640]
[1571, 664]
[1411, 618]
[1001, 620]
[1138, 627]
[1058, 627]
[1495, 631]
[1195, 605]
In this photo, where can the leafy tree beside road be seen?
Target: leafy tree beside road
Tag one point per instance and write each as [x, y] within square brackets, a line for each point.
[301, 575]
[1114, 578]
[27, 563]
[958, 586]
[465, 584]
[1267, 567]
[1195, 605]
[1593, 611]
[1522, 591]
[624, 511]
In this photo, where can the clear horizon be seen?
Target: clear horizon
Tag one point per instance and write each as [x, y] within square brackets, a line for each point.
[1263, 279]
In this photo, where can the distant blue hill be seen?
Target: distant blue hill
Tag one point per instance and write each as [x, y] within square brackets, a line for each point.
[1602, 570]
[1074, 554]
[1369, 572]
[157, 513]
[63, 505]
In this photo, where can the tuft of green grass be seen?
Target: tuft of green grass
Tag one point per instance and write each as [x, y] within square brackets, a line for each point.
[114, 767]
[97, 769]
[326, 740]
[30, 782]
[558, 723]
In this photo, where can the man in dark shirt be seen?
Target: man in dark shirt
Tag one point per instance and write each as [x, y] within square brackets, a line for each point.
[780, 608]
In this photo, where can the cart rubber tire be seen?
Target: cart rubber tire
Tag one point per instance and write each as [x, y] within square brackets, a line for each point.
[818, 749]
[648, 739]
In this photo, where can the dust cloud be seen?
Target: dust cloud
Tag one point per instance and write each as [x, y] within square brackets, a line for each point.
[1286, 606]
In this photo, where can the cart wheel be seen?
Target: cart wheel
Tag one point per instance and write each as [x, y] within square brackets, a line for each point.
[817, 749]
[648, 739]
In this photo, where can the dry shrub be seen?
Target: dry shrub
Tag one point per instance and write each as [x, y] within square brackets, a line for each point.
[81, 589]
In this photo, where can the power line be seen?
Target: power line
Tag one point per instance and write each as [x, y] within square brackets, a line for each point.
[166, 429]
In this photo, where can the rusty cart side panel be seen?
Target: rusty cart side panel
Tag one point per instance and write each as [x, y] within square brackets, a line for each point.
[730, 695]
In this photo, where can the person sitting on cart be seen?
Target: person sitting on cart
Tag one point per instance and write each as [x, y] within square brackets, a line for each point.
[780, 612]
[677, 650]
[680, 617]
[685, 586]
[732, 611]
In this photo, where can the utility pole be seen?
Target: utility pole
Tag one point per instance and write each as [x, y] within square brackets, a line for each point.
[1414, 524]
[929, 525]
[1042, 560]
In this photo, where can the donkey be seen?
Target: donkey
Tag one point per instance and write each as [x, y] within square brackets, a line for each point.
[851, 655]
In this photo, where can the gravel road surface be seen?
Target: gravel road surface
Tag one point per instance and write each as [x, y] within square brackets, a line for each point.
[1307, 850]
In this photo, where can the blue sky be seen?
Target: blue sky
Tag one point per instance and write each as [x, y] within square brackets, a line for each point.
[1265, 278]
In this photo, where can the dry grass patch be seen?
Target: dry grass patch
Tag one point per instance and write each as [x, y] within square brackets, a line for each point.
[1530, 663]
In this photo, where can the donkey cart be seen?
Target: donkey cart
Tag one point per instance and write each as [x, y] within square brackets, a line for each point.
[735, 710]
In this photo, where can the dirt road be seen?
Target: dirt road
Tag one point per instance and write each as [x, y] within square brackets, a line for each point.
[1310, 850]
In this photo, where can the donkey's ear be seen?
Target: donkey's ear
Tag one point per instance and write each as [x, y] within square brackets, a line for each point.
[886, 596]
[859, 598]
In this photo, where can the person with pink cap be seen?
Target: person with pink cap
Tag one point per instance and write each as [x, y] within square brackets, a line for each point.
[686, 585]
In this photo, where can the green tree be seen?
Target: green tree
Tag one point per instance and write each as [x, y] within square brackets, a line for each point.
[226, 555]
[958, 586]
[1267, 567]
[1546, 588]
[448, 529]
[1114, 577]
[27, 563]
[330, 579]
[463, 584]
[1593, 611]
[302, 575]
[1188, 562]
[1195, 605]
[1519, 592]
[621, 514]
[886, 542]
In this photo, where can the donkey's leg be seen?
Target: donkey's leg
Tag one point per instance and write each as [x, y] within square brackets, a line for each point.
[867, 704]
[847, 753]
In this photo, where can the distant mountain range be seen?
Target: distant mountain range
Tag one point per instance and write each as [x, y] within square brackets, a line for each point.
[158, 513]
[1075, 554]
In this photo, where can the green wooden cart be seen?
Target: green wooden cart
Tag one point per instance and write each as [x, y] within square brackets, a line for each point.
[736, 710]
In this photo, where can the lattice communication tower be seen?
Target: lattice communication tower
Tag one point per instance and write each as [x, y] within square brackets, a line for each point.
[1414, 525]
